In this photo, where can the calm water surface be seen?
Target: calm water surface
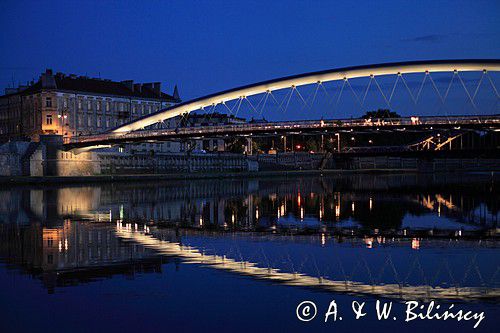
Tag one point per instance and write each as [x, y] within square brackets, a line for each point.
[227, 255]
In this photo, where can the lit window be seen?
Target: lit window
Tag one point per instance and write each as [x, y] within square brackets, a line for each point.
[79, 104]
[48, 119]
[98, 106]
[48, 102]
[89, 105]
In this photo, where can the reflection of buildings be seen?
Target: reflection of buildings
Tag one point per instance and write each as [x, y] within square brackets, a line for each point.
[254, 204]
[74, 246]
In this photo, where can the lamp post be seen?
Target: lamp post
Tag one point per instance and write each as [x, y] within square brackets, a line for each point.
[338, 141]
[62, 118]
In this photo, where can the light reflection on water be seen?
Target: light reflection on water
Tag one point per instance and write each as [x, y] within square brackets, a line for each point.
[376, 230]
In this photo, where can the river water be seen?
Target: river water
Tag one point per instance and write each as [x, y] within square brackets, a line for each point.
[242, 254]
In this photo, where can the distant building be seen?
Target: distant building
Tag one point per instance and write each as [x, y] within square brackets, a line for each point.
[71, 105]
[198, 120]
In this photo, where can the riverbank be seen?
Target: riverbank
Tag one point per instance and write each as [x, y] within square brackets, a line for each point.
[14, 180]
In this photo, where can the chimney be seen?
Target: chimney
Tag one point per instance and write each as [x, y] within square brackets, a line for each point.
[48, 80]
[137, 87]
[129, 84]
[157, 88]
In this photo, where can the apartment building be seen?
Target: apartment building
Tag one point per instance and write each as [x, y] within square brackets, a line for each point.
[71, 105]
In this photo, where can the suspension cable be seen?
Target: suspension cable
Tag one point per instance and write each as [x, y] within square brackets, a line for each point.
[289, 98]
[285, 98]
[354, 93]
[394, 87]
[264, 104]
[366, 91]
[249, 102]
[440, 97]
[421, 87]
[408, 89]
[300, 95]
[275, 100]
[492, 84]
[468, 95]
[381, 92]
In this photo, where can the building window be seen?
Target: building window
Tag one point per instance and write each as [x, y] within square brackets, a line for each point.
[65, 102]
[48, 102]
[80, 120]
[80, 104]
[99, 121]
[98, 106]
[89, 121]
[89, 105]
[121, 106]
[107, 122]
[107, 106]
[48, 119]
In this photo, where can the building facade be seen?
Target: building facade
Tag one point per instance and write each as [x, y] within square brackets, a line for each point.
[71, 105]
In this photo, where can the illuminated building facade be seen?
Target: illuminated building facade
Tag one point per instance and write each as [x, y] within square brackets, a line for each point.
[71, 105]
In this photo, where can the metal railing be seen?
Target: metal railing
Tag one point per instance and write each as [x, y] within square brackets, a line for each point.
[291, 125]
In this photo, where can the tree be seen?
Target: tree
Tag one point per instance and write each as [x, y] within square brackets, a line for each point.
[381, 114]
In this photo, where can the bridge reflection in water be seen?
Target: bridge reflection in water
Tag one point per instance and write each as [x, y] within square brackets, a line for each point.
[194, 255]
[417, 233]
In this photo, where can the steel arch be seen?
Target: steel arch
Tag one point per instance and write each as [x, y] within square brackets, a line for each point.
[344, 73]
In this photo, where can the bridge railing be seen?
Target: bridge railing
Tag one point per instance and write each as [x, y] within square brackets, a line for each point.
[291, 125]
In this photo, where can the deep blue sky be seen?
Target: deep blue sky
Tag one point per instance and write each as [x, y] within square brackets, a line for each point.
[206, 46]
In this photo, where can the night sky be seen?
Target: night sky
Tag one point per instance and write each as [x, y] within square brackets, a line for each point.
[207, 46]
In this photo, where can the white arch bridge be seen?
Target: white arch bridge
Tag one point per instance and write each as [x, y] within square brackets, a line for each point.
[283, 91]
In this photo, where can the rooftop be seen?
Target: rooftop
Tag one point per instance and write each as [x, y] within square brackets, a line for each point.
[84, 84]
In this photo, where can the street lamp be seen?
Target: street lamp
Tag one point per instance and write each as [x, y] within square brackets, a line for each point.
[338, 141]
[62, 119]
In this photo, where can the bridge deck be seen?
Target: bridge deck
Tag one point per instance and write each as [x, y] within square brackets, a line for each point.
[318, 126]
